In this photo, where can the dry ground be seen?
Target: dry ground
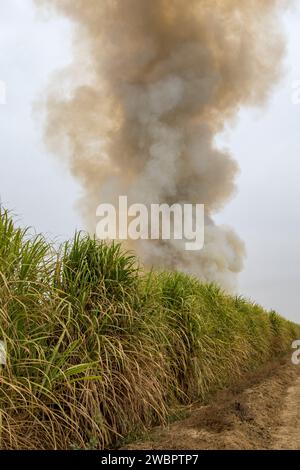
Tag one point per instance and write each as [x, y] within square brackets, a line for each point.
[261, 413]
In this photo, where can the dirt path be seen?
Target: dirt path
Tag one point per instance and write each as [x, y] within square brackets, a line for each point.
[288, 434]
[262, 413]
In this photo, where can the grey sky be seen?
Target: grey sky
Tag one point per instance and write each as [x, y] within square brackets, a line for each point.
[38, 188]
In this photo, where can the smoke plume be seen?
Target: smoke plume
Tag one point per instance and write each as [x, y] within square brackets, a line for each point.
[152, 84]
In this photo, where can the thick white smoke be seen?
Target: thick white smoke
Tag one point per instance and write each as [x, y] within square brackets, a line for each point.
[154, 81]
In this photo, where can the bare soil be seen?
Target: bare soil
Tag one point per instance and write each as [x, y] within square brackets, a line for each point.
[263, 412]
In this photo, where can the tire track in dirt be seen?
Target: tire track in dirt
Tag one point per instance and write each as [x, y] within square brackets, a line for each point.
[287, 436]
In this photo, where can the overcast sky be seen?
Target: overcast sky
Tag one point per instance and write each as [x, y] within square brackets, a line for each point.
[38, 188]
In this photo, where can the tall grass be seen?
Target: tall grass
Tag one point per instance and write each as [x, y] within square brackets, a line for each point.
[97, 348]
